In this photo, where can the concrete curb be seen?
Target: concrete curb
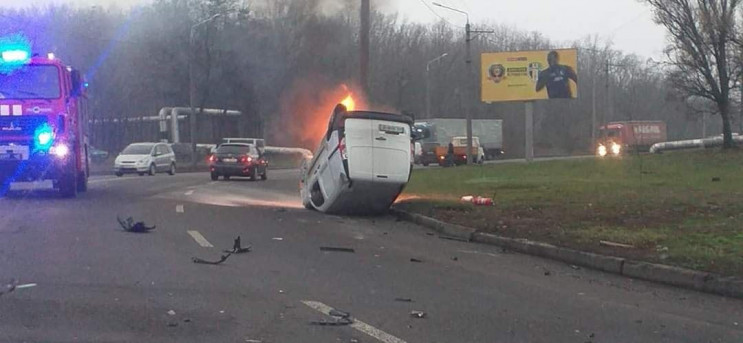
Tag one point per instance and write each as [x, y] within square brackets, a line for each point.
[660, 273]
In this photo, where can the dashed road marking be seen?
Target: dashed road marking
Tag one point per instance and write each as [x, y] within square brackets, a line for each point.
[179, 208]
[189, 192]
[200, 239]
[357, 324]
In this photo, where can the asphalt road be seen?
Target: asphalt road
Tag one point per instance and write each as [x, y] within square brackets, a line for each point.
[85, 280]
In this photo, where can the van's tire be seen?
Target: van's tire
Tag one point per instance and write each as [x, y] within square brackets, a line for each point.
[215, 176]
[119, 174]
[253, 175]
[307, 204]
[264, 176]
[67, 184]
[153, 170]
[141, 174]
[425, 164]
[82, 182]
[172, 169]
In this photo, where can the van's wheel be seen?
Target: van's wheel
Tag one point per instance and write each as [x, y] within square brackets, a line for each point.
[425, 164]
[215, 176]
[68, 185]
[264, 176]
[253, 175]
[153, 170]
[82, 182]
[119, 174]
[172, 169]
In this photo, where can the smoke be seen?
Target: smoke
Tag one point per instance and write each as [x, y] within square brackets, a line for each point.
[305, 109]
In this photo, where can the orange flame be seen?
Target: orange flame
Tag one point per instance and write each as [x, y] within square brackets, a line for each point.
[349, 103]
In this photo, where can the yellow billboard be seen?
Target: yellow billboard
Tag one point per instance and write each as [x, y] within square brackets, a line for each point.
[530, 75]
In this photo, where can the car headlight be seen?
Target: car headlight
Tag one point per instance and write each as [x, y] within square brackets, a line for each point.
[616, 149]
[601, 150]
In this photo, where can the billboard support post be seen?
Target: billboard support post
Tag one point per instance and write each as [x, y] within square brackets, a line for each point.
[529, 131]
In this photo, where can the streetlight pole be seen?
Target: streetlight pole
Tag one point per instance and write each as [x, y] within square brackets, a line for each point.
[192, 86]
[428, 83]
[468, 41]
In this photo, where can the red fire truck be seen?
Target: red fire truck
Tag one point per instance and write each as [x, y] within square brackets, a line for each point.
[43, 122]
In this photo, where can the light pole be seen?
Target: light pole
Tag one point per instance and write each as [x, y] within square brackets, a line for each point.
[192, 86]
[468, 40]
[428, 83]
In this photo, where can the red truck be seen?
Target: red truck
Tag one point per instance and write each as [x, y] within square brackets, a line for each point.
[617, 137]
[43, 122]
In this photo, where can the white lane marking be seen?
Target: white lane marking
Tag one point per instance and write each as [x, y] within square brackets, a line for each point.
[28, 285]
[189, 192]
[357, 324]
[200, 239]
[179, 208]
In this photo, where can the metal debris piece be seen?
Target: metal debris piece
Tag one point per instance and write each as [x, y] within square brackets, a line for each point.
[454, 258]
[336, 249]
[277, 239]
[547, 272]
[341, 319]
[415, 260]
[198, 260]
[430, 233]
[237, 248]
[405, 300]
[418, 314]
[171, 313]
[9, 287]
[130, 226]
[453, 238]
[615, 245]
[172, 324]
[574, 267]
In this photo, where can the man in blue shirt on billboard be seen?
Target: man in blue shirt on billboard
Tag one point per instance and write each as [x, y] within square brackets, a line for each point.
[556, 78]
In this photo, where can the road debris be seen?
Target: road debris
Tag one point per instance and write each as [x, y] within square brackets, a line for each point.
[341, 319]
[336, 249]
[616, 245]
[187, 320]
[237, 248]
[716, 179]
[172, 324]
[547, 272]
[9, 287]
[574, 267]
[415, 260]
[405, 300]
[171, 313]
[418, 314]
[453, 238]
[252, 341]
[478, 200]
[454, 258]
[130, 226]
[277, 239]
[198, 260]
[430, 233]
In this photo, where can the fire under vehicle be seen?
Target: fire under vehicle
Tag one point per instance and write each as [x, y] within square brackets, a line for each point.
[617, 138]
[43, 120]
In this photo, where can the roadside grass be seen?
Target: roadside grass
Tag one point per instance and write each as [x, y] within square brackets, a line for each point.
[682, 208]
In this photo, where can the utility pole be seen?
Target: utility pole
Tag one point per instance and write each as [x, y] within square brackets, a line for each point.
[470, 77]
[364, 40]
[609, 105]
[192, 87]
[593, 104]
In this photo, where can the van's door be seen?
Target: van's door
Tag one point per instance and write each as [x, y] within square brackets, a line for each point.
[391, 153]
[359, 138]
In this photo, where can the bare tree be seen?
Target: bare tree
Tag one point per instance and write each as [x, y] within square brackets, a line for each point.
[702, 34]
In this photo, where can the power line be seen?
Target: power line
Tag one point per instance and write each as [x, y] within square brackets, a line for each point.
[438, 15]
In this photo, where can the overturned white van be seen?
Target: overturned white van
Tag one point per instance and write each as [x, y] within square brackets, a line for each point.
[363, 163]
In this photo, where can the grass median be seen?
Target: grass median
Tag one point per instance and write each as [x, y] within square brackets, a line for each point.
[683, 208]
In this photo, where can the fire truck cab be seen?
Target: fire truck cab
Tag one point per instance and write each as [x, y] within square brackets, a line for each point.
[43, 122]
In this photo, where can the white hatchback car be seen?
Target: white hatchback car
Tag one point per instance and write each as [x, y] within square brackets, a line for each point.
[145, 158]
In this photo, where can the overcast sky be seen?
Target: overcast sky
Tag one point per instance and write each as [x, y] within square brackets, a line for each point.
[626, 23]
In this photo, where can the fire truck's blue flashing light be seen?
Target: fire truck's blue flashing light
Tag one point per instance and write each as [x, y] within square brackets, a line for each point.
[14, 56]
[43, 137]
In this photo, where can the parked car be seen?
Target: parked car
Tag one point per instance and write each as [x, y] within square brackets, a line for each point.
[362, 164]
[238, 159]
[145, 158]
[97, 155]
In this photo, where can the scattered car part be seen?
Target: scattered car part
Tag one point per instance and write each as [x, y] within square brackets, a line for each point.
[130, 226]
[198, 260]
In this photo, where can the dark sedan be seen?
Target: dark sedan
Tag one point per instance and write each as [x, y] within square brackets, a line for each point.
[236, 159]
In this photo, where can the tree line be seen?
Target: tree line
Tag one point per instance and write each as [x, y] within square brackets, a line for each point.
[283, 62]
